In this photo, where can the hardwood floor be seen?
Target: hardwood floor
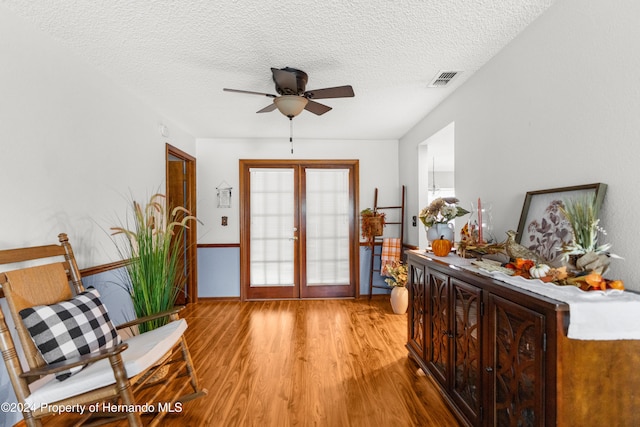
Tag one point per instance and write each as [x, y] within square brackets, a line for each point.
[305, 363]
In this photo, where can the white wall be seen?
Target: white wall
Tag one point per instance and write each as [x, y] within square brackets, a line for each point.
[559, 106]
[74, 146]
[218, 161]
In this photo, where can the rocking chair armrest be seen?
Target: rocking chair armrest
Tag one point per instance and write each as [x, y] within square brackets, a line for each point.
[85, 359]
[140, 320]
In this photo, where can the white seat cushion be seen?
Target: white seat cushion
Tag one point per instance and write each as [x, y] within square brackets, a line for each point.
[144, 351]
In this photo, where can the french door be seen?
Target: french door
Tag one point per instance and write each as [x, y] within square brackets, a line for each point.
[298, 229]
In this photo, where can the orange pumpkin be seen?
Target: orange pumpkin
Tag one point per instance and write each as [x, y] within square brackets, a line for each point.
[442, 246]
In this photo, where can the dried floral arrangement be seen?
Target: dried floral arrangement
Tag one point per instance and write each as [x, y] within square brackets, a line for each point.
[589, 281]
[441, 211]
[398, 272]
[371, 223]
[469, 247]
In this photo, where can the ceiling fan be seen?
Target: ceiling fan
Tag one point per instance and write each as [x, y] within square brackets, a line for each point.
[292, 97]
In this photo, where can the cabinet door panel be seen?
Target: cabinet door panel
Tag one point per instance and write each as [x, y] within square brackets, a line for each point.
[466, 348]
[417, 310]
[518, 364]
[439, 333]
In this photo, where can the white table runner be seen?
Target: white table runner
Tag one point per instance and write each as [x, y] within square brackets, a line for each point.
[594, 315]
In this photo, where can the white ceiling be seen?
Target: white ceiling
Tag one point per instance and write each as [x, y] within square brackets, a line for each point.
[178, 55]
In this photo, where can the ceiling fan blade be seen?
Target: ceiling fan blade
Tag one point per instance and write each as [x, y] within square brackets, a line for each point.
[317, 108]
[330, 92]
[249, 92]
[268, 108]
[286, 81]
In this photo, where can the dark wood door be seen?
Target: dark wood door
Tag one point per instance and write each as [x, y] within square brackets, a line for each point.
[439, 333]
[181, 190]
[516, 370]
[466, 357]
[417, 310]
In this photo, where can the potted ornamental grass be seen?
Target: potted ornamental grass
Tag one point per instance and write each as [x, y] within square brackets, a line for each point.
[147, 242]
[585, 254]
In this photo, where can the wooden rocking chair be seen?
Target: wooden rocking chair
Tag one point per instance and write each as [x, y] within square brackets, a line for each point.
[112, 377]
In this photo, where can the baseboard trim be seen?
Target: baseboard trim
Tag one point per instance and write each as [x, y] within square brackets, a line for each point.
[217, 299]
[361, 297]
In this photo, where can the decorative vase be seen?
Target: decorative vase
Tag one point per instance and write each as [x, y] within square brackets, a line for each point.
[399, 299]
[438, 230]
[480, 223]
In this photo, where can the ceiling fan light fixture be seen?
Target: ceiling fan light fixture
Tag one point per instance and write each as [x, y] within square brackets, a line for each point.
[290, 105]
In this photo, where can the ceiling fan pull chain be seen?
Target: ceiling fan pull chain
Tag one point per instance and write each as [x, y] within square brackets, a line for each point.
[291, 133]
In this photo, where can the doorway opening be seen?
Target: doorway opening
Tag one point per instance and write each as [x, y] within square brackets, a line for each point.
[436, 170]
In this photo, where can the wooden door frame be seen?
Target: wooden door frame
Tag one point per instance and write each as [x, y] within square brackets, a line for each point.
[191, 233]
[244, 213]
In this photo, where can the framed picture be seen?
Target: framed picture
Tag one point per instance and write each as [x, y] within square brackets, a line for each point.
[542, 227]
[224, 195]
[224, 198]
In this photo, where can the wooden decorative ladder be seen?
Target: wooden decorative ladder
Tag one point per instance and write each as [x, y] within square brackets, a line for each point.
[377, 241]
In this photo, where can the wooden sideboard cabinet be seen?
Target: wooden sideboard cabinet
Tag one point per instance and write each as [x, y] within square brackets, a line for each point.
[501, 357]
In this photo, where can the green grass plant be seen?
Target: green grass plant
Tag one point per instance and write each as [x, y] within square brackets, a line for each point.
[581, 214]
[150, 243]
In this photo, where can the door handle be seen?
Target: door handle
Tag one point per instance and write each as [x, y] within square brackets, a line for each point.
[293, 238]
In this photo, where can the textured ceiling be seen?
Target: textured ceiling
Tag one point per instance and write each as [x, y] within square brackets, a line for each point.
[178, 55]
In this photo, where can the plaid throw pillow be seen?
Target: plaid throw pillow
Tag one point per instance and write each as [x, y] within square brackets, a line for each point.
[70, 328]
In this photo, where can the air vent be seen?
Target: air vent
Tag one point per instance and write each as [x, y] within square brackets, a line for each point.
[443, 78]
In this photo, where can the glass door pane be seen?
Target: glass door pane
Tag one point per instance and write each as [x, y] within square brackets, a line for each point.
[298, 232]
[327, 227]
[273, 231]
[328, 236]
